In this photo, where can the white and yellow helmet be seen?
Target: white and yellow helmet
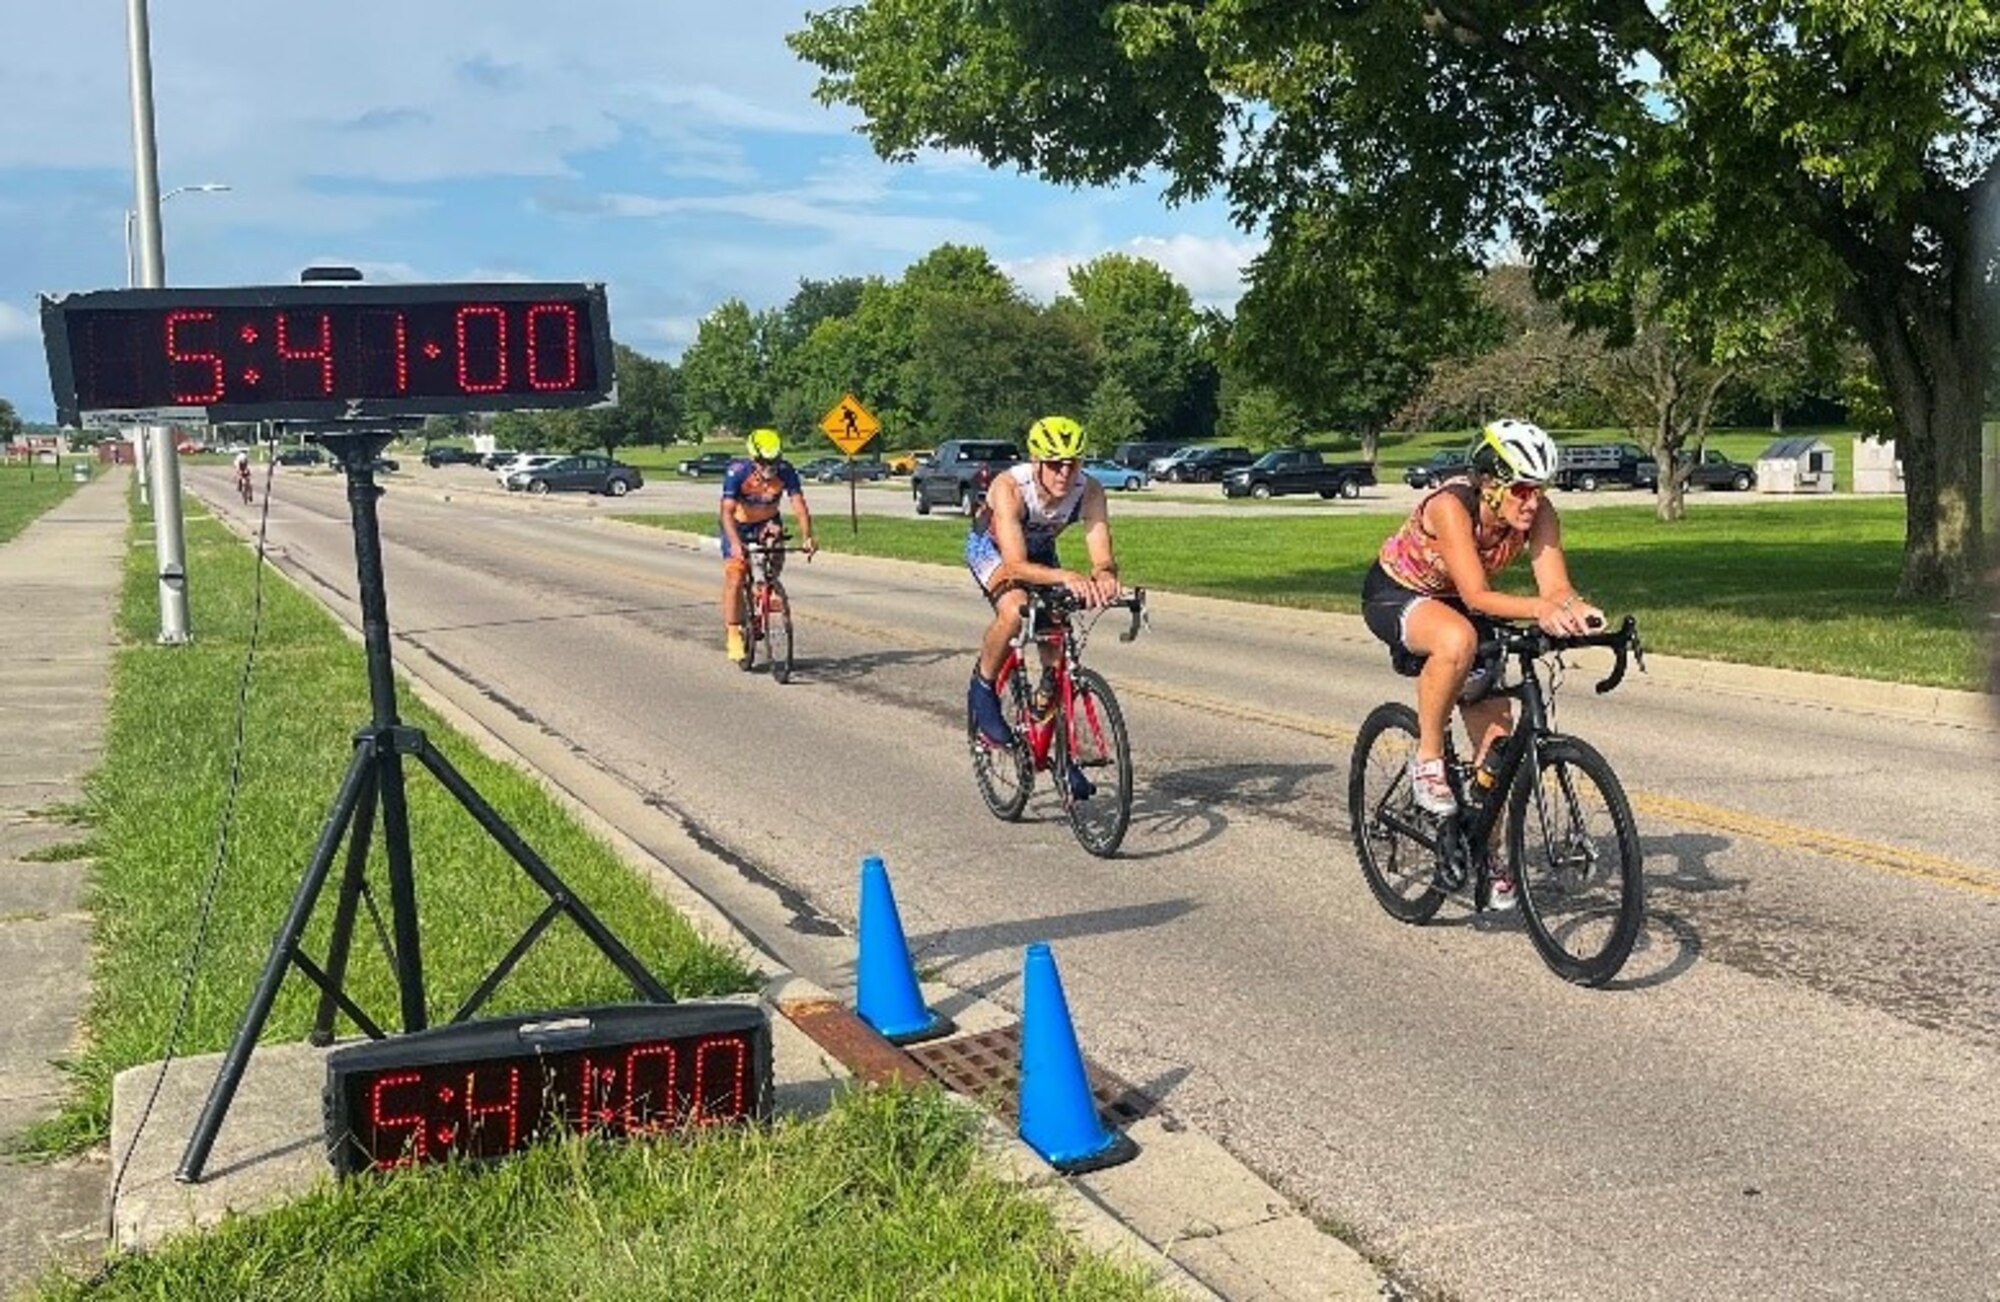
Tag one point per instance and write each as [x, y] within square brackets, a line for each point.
[1508, 450]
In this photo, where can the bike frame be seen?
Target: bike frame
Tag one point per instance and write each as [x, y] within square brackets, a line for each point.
[1044, 627]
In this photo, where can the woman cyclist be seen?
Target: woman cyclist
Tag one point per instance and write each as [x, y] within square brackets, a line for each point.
[1429, 593]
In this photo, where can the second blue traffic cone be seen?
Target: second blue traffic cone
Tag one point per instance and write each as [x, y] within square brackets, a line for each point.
[886, 994]
[1058, 1115]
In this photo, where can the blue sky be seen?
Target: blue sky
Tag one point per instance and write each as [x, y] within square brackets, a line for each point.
[670, 150]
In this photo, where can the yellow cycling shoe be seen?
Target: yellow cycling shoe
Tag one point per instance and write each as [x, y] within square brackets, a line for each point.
[737, 652]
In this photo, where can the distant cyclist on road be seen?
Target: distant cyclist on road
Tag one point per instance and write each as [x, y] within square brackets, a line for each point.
[753, 489]
[1429, 595]
[243, 473]
[1013, 546]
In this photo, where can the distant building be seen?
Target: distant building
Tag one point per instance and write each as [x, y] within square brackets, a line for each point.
[1796, 465]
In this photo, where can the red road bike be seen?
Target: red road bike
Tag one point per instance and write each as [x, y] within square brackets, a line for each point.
[765, 611]
[1068, 725]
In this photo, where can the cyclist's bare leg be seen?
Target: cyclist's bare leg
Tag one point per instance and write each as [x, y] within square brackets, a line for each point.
[1486, 723]
[1007, 608]
[735, 572]
[1435, 630]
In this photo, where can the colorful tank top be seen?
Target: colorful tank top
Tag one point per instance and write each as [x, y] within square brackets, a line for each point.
[757, 490]
[1411, 555]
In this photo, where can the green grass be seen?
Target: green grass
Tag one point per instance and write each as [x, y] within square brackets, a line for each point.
[1798, 585]
[26, 491]
[154, 809]
[885, 1197]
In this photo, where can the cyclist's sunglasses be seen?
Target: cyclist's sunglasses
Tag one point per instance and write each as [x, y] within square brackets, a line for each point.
[1062, 465]
[1521, 492]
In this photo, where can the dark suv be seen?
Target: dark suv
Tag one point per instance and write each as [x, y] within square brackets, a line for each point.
[1206, 465]
[1140, 455]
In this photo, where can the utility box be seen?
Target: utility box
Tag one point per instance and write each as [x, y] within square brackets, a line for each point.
[1796, 465]
[1877, 468]
[80, 471]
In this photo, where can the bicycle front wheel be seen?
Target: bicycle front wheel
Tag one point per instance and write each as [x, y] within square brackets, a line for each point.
[778, 630]
[1094, 766]
[746, 615]
[1005, 774]
[1575, 851]
[1381, 808]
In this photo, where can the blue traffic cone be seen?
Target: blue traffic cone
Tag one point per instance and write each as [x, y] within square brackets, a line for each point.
[1058, 1116]
[886, 994]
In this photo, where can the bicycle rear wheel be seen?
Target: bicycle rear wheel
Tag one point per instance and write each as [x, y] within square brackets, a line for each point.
[1005, 774]
[1575, 851]
[778, 631]
[1094, 766]
[1401, 870]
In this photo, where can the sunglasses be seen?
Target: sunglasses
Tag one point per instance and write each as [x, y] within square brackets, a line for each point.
[1526, 492]
[1062, 465]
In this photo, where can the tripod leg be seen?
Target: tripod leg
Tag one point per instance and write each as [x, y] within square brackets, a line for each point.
[283, 946]
[544, 876]
[402, 888]
[351, 882]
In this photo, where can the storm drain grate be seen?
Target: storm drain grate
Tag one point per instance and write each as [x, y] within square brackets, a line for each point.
[987, 1067]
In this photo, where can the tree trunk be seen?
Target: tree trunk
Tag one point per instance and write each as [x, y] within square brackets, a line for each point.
[1371, 442]
[1777, 419]
[1932, 365]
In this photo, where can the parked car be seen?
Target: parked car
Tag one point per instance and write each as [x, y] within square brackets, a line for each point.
[958, 475]
[1441, 466]
[1201, 465]
[1111, 474]
[449, 454]
[1285, 471]
[865, 470]
[525, 461]
[906, 462]
[1139, 455]
[1714, 470]
[497, 458]
[305, 456]
[708, 463]
[585, 472]
[1588, 467]
[819, 466]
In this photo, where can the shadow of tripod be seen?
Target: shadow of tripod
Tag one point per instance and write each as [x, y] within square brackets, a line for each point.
[375, 779]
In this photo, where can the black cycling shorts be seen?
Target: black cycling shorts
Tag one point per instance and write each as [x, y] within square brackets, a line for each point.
[1385, 604]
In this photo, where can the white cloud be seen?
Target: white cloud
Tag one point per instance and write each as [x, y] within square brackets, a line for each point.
[16, 325]
[1211, 267]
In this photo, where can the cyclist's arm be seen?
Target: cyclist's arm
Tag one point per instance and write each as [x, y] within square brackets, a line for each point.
[732, 481]
[1545, 555]
[796, 489]
[1451, 525]
[1096, 517]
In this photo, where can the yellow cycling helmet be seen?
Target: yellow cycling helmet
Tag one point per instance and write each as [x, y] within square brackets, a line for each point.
[1055, 438]
[765, 444]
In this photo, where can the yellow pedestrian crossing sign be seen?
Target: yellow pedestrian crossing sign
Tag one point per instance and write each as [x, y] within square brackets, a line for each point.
[850, 425]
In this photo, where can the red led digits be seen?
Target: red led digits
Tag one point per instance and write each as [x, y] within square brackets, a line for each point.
[565, 319]
[737, 1069]
[180, 355]
[649, 1108]
[413, 1148]
[403, 353]
[321, 351]
[510, 1107]
[498, 348]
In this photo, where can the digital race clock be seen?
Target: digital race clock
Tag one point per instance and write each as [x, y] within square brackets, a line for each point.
[325, 351]
[482, 1089]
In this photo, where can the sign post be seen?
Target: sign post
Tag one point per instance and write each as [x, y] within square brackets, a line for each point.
[850, 425]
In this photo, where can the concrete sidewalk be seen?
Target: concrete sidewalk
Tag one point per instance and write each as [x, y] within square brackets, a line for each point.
[60, 577]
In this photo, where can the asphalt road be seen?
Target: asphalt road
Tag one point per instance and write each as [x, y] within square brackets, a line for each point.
[1791, 1092]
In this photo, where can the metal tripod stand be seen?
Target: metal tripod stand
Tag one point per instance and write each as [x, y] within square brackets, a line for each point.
[375, 777]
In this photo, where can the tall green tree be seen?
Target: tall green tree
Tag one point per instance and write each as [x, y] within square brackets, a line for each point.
[649, 403]
[723, 375]
[1145, 322]
[10, 422]
[982, 368]
[1841, 152]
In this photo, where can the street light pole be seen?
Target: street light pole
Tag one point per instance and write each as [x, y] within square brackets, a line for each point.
[169, 543]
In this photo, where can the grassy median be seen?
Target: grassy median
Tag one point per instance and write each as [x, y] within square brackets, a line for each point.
[884, 1197]
[26, 491]
[1803, 585]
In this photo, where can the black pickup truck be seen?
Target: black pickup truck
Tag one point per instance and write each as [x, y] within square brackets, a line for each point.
[958, 474]
[1715, 470]
[1298, 470]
